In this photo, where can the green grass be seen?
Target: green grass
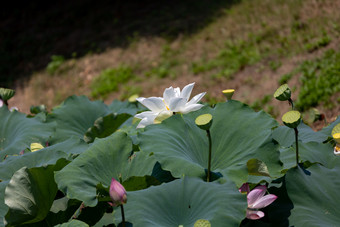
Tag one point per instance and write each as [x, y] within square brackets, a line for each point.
[320, 80]
[232, 58]
[55, 63]
[110, 79]
[166, 65]
[319, 43]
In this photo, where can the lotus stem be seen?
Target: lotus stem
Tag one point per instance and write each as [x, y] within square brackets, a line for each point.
[297, 146]
[123, 215]
[209, 160]
[291, 103]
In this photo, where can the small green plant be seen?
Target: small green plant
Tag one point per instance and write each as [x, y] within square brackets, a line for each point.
[54, 65]
[110, 79]
[319, 43]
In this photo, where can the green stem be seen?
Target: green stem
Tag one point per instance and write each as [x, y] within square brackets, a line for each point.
[123, 216]
[291, 103]
[297, 146]
[209, 161]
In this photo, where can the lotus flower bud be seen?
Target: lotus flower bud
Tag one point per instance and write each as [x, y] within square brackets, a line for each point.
[117, 193]
[292, 118]
[283, 93]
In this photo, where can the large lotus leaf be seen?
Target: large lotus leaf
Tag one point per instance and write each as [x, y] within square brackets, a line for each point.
[75, 116]
[286, 136]
[183, 202]
[315, 195]
[106, 158]
[47, 156]
[30, 193]
[312, 152]
[105, 126]
[120, 107]
[328, 130]
[73, 223]
[238, 135]
[17, 132]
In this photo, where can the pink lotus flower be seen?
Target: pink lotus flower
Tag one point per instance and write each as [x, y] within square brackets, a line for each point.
[117, 193]
[257, 200]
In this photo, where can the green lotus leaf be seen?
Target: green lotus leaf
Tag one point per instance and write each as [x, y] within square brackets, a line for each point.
[30, 193]
[327, 131]
[18, 132]
[311, 152]
[75, 116]
[6, 94]
[47, 156]
[183, 202]
[106, 220]
[106, 158]
[120, 107]
[105, 126]
[73, 223]
[286, 136]
[314, 194]
[62, 211]
[238, 135]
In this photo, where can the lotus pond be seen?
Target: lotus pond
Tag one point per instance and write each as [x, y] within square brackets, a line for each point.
[166, 161]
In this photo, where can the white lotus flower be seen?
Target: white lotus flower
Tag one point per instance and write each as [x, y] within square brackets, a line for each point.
[1, 103]
[173, 101]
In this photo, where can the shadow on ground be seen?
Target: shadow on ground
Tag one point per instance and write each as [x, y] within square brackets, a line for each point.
[32, 31]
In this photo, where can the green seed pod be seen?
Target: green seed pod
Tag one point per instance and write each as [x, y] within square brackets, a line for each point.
[204, 121]
[336, 133]
[6, 94]
[228, 93]
[202, 223]
[283, 93]
[292, 118]
[133, 98]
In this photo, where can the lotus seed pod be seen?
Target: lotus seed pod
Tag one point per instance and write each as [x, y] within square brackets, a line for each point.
[283, 93]
[133, 98]
[204, 121]
[202, 223]
[292, 118]
[228, 93]
[36, 146]
[6, 94]
[336, 133]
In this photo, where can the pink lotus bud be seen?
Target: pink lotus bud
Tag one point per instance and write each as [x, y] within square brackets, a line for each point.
[256, 200]
[117, 193]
